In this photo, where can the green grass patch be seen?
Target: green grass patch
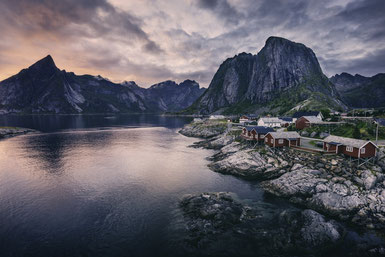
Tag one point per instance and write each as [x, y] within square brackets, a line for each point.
[5, 127]
[235, 133]
[359, 129]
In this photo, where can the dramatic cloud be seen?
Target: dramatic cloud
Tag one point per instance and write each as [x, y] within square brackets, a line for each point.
[153, 40]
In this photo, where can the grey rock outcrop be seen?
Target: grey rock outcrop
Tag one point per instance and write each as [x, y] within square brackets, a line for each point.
[316, 230]
[213, 220]
[215, 143]
[247, 163]
[361, 201]
[204, 129]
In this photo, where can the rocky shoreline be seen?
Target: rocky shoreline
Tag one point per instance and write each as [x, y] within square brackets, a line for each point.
[330, 185]
[7, 132]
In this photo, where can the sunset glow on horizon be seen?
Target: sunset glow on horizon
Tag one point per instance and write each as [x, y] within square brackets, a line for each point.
[150, 41]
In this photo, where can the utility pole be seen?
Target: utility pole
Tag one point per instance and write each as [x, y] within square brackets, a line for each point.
[377, 133]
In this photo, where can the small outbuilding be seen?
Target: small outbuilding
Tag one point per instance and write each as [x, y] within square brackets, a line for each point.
[356, 148]
[244, 119]
[307, 121]
[256, 133]
[280, 139]
[286, 121]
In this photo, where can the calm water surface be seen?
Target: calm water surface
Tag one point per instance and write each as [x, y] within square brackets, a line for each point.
[100, 186]
[96, 186]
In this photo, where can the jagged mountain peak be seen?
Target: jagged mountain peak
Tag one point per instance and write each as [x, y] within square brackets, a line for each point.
[249, 81]
[167, 83]
[129, 83]
[275, 40]
[45, 63]
[189, 82]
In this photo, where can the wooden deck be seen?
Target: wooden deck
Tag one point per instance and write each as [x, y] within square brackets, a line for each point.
[312, 150]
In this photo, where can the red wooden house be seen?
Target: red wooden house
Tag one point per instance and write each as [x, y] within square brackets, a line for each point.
[349, 146]
[256, 133]
[280, 139]
[306, 121]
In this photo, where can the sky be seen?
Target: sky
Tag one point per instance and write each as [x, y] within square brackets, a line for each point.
[150, 41]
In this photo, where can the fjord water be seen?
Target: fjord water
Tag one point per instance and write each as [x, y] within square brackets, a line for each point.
[99, 186]
[103, 186]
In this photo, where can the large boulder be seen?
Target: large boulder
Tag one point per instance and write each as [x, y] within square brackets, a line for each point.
[300, 182]
[248, 164]
[324, 135]
[369, 179]
[316, 231]
[337, 204]
[313, 134]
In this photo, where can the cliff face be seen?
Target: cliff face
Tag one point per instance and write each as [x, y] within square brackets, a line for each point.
[43, 88]
[282, 69]
[361, 92]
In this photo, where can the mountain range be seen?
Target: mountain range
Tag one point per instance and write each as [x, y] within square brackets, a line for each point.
[361, 92]
[43, 88]
[283, 77]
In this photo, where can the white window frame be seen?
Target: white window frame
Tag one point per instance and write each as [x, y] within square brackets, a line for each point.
[262, 136]
[349, 149]
[272, 140]
[362, 150]
[267, 140]
[280, 141]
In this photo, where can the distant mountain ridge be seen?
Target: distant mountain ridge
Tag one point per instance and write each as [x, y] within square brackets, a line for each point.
[282, 76]
[169, 96]
[359, 91]
[43, 88]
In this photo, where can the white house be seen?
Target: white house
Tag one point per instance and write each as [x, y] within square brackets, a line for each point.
[217, 117]
[272, 122]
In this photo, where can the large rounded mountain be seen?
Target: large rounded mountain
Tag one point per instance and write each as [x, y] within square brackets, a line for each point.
[282, 76]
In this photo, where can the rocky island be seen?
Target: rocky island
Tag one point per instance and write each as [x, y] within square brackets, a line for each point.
[7, 132]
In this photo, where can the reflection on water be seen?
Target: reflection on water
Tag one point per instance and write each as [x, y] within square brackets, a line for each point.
[91, 192]
[91, 186]
[48, 123]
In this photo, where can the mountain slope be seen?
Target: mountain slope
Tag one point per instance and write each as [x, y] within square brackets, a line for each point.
[281, 76]
[43, 88]
[169, 96]
[361, 92]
